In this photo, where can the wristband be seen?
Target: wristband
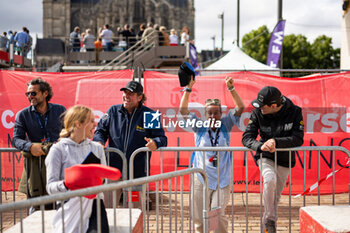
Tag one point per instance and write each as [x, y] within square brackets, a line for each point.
[186, 89]
[231, 88]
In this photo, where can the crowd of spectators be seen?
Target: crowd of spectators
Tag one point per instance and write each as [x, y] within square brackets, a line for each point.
[123, 38]
[21, 41]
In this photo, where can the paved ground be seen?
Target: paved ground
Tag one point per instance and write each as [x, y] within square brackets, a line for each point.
[245, 218]
[238, 219]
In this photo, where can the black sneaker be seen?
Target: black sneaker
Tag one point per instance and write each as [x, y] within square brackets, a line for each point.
[270, 227]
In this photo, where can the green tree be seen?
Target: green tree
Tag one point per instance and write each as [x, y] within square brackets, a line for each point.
[256, 43]
[324, 56]
[297, 52]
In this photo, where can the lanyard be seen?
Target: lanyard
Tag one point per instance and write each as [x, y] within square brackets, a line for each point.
[43, 127]
[215, 143]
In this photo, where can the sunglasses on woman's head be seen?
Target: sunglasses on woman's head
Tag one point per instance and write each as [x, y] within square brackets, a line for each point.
[213, 101]
[31, 93]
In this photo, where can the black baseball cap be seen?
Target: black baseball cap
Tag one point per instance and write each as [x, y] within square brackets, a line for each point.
[267, 96]
[134, 87]
[185, 73]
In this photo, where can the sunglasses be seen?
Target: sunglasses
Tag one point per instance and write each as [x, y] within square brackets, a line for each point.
[31, 93]
[213, 101]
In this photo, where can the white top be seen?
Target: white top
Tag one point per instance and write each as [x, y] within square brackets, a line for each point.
[106, 35]
[184, 38]
[67, 153]
[174, 39]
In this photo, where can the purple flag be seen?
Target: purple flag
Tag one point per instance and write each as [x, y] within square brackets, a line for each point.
[193, 57]
[275, 45]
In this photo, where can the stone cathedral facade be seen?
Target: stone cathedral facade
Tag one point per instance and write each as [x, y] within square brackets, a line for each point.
[61, 16]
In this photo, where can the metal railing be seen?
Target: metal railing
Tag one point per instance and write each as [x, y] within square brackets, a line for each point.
[138, 48]
[62, 197]
[109, 150]
[245, 150]
[11, 152]
[173, 190]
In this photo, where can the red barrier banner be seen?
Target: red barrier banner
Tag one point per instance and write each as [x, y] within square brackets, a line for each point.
[98, 90]
[325, 104]
[324, 100]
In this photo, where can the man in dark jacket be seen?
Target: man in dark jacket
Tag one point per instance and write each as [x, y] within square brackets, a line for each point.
[280, 125]
[123, 126]
[36, 128]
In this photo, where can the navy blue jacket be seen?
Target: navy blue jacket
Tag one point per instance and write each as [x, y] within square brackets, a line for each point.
[28, 129]
[125, 132]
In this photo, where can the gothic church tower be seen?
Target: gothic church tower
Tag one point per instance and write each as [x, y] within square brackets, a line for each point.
[61, 16]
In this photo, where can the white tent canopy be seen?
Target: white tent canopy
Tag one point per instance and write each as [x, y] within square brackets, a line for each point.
[236, 59]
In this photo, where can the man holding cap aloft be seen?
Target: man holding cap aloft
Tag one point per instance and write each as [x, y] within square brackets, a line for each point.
[280, 125]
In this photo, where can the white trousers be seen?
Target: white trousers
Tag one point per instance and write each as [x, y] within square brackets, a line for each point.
[197, 198]
[274, 182]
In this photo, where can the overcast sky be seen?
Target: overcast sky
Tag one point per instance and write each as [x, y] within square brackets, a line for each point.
[311, 18]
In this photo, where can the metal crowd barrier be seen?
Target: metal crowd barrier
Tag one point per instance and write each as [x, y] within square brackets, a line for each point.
[176, 150]
[233, 151]
[11, 153]
[108, 150]
[62, 197]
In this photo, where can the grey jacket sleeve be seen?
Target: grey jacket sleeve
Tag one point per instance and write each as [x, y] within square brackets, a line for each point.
[55, 180]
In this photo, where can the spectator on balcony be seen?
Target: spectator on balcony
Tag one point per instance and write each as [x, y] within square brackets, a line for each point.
[28, 46]
[82, 45]
[11, 36]
[89, 41]
[165, 36]
[126, 35]
[21, 40]
[99, 48]
[132, 38]
[185, 36]
[216, 135]
[106, 34]
[3, 42]
[150, 36]
[158, 34]
[279, 123]
[74, 39]
[173, 38]
[98, 44]
[36, 128]
[142, 29]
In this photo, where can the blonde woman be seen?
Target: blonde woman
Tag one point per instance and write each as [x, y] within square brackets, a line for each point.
[185, 35]
[217, 134]
[174, 39]
[73, 147]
